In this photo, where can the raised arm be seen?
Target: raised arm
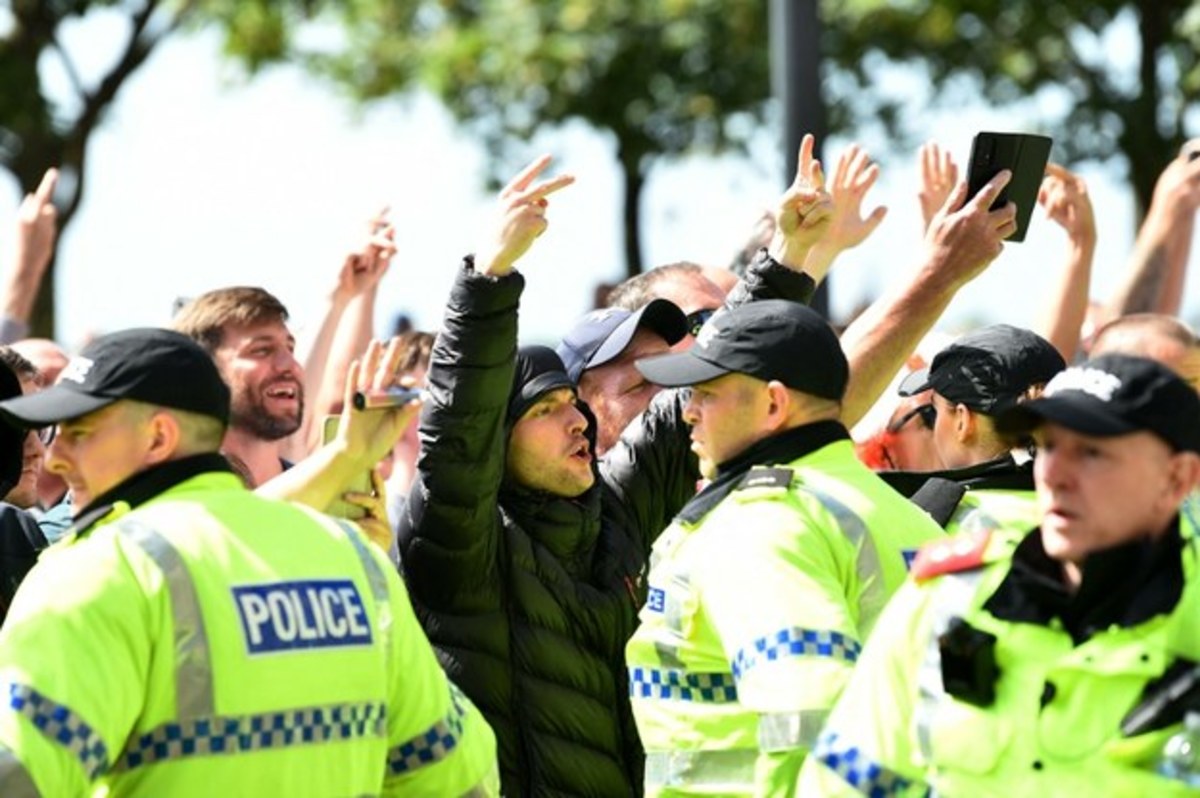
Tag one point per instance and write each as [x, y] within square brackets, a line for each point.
[1153, 281]
[962, 240]
[36, 233]
[1064, 195]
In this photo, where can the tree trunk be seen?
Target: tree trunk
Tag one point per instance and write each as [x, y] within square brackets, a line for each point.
[632, 211]
[1146, 145]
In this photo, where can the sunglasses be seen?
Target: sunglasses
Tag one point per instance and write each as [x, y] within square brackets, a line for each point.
[45, 434]
[926, 412]
[696, 319]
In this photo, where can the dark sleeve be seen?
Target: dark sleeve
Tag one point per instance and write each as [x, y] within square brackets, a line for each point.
[21, 541]
[651, 472]
[449, 533]
[767, 278]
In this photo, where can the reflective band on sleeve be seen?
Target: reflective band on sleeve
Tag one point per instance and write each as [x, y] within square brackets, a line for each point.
[715, 688]
[795, 642]
[63, 726]
[729, 771]
[15, 781]
[856, 769]
[866, 565]
[376, 580]
[433, 745]
[236, 734]
[193, 668]
[787, 731]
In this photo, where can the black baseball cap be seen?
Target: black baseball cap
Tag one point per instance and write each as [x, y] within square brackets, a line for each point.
[1115, 395]
[772, 339]
[988, 369]
[602, 335]
[151, 365]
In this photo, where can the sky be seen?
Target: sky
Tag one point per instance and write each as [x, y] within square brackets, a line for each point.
[200, 178]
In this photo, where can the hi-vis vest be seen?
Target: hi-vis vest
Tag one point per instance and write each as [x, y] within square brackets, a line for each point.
[1053, 726]
[755, 617]
[215, 643]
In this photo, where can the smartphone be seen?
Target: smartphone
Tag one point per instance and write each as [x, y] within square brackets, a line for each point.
[361, 484]
[1025, 155]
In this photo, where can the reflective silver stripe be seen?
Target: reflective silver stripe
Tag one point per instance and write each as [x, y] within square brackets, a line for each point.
[953, 594]
[235, 734]
[730, 769]
[375, 579]
[15, 781]
[435, 743]
[787, 731]
[866, 564]
[193, 665]
[60, 724]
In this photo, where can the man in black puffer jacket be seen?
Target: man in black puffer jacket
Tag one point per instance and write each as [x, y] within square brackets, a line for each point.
[524, 558]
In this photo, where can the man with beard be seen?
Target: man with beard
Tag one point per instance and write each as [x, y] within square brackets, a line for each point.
[245, 330]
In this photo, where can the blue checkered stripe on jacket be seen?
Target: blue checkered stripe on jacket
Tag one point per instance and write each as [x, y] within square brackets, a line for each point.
[796, 642]
[243, 733]
[435, 743]
[859, 771]
[62, 725]
[677, 685]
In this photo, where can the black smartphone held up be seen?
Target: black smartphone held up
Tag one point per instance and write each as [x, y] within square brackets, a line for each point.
[341, 508]
[1025, 155]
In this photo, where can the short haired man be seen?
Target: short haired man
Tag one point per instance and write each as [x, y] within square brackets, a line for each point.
[208, 641]
[599, 353]
[1026, 664]
[766, 584]
[245, 331]
[1156, 336]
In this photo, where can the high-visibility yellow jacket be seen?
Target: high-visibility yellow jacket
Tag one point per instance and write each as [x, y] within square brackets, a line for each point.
[211, 642]
[755, 617]
[1051, 725]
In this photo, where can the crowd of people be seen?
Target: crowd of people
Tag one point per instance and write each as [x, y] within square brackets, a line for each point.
[707, 545]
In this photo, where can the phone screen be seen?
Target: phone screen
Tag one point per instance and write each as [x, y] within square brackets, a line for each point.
[361, 483]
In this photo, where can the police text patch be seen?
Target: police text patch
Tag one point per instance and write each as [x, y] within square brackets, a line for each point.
[281, 616]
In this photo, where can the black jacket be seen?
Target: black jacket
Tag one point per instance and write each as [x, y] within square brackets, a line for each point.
[529, 598]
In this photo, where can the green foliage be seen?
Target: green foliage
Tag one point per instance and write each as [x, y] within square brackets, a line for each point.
[1061, 52]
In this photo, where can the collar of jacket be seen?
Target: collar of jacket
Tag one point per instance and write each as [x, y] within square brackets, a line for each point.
[785, 447]
[1003, 473]
[1124, 585]
[568, 528]
[145, 485]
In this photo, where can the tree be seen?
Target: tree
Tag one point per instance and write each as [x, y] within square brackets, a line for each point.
[1060, 51]
[663, 77]
[38, 131]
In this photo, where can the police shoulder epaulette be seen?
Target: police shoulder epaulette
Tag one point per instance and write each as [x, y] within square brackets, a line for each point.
[964, 552]
[766, 478]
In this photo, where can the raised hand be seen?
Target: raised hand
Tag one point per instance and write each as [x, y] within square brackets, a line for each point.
[939, 175]
[368, 435]
[803, 213]
[964, 236]
[852, 179]
[523, 205]
[365, 266]
[1064, 195]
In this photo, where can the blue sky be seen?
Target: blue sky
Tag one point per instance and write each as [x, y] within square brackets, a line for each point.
[200, 179]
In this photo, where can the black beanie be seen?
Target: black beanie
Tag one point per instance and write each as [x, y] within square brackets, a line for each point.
[539, 370]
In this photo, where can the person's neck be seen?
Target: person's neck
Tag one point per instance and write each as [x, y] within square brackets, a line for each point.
[260, 457]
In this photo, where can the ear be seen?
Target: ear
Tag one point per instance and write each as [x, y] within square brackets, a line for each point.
[779, 406]
[966, 427]
[164, 437]
[1183, 477]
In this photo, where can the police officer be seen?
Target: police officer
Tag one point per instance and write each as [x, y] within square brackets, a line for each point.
[969, 383]
[1060, 662]
[208, 641]
[764, 587]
